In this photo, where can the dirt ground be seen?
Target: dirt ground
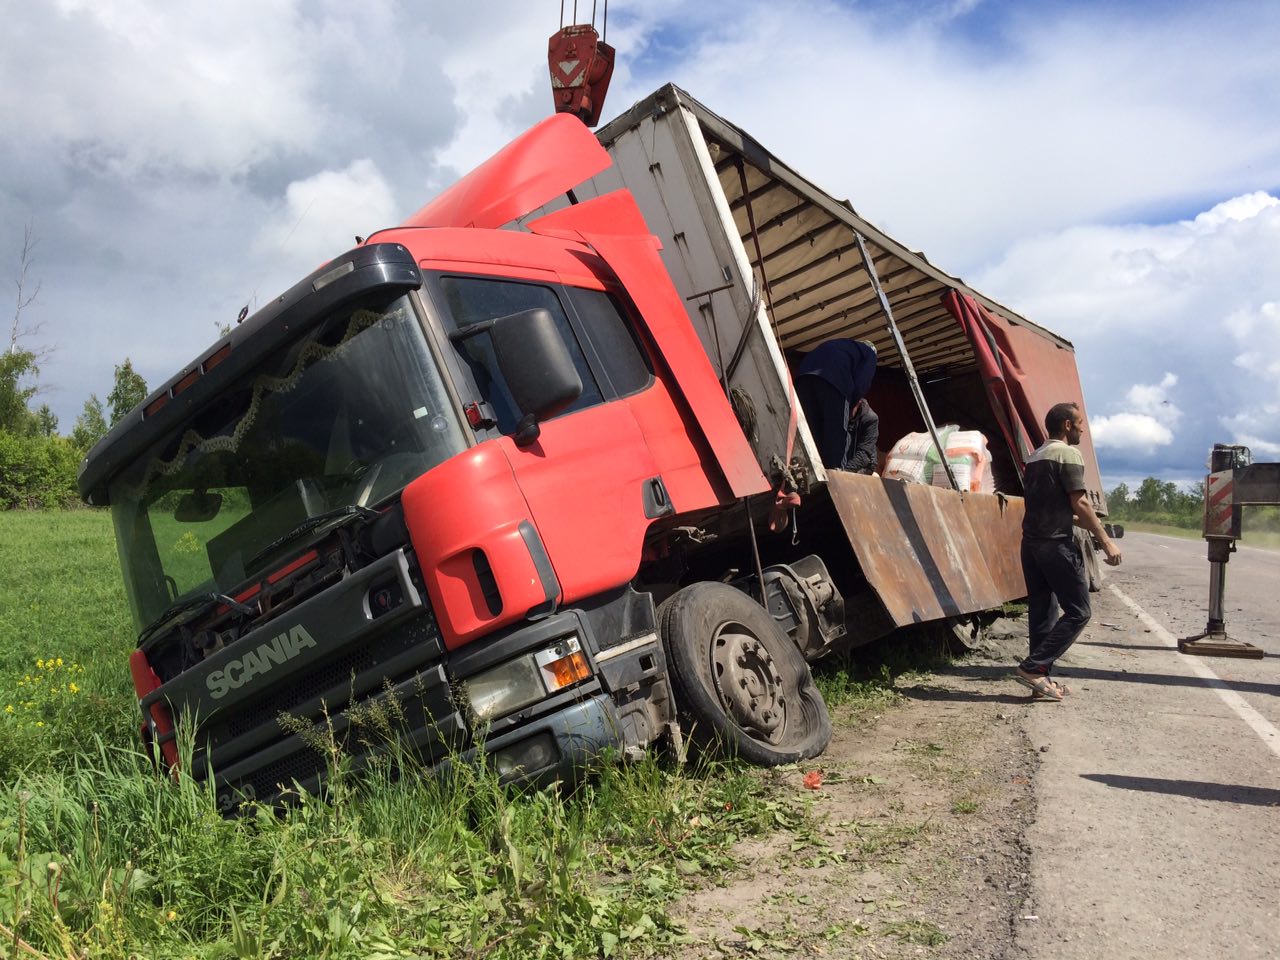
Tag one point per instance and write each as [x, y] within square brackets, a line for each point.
[913, 843]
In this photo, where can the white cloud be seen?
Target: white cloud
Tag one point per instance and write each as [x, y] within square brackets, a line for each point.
[322, 215]
[1152, 400]
[1256, 430]
[1133, 432]
[1237, 208]
[1258, 332]
[141, 87]
[1187, 309]
[1145, 422]
[1056, 117]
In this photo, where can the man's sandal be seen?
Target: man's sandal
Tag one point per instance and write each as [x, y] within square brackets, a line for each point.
[1062, 688]
[1042, 688]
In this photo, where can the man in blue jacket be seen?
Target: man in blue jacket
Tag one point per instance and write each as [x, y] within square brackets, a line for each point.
[830, 381]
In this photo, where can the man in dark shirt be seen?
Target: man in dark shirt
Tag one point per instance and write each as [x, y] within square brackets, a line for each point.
[864, 432]
[832, 378]
[1051, 560]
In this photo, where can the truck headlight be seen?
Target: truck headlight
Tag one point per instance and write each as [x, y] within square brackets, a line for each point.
[527, 679]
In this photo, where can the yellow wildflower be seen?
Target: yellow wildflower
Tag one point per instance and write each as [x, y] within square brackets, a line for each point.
[39, 723]
[58, 661]
[172, 914]
[8, 708]
[39, 664]
[74, 688]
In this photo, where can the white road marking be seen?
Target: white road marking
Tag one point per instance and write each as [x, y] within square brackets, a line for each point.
[1256, 721]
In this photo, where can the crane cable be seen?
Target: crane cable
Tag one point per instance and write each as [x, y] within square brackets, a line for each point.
[604, 33]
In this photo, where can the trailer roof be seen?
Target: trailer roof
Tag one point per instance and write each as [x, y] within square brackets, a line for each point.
[810, 257]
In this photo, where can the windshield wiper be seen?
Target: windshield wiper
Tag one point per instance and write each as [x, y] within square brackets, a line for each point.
[309, 524]
[201, 601]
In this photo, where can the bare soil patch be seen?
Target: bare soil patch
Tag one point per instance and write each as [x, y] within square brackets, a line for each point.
[912, 845]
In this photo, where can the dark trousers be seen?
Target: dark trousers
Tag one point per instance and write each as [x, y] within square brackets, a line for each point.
[826, 410]
[1054, 571]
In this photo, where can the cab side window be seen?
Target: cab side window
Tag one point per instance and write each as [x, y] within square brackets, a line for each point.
[623, 362]
[473, 300]
[593, 324]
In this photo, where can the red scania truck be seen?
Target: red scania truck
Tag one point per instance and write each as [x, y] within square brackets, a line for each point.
[530, 465]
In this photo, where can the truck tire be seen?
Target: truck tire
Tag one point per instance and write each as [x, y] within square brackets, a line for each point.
[741, 685]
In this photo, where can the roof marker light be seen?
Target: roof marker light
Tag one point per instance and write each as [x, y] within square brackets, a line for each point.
[326, 278]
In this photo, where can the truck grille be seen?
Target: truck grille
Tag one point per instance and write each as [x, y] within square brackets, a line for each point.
[432, 728]
[337, 682]
[307, 686]
[267, 783]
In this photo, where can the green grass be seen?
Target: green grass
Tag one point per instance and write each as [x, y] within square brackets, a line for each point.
[862, 682]
[919, 932]
[415, 866]
[61, 599]
[1141, 526]
[1265, 539]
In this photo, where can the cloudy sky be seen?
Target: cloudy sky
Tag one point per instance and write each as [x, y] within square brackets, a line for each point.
[1109, 169]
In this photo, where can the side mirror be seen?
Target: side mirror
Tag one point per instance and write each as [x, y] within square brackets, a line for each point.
[537, 367]
[198, 506]
[1114, 530]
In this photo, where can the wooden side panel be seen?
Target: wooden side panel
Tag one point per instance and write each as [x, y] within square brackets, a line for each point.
[920, 550]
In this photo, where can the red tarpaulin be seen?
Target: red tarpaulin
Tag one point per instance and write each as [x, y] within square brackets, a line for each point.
[1025, 374]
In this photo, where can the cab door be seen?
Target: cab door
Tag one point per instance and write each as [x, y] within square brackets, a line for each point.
[590, 481]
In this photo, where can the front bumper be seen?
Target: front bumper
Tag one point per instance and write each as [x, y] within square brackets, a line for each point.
[620, 708]
[559, 746]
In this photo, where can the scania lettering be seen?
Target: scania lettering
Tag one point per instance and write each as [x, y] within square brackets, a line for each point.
[282, 648]
[530, 466]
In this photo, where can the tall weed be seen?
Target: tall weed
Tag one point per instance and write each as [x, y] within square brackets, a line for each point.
[108, 859]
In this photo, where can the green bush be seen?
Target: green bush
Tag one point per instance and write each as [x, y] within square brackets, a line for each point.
[37, 471]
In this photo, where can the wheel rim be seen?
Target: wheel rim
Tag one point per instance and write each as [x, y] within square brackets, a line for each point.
[748, 682]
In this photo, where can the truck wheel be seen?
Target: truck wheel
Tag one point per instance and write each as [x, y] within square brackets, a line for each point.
[741, 684]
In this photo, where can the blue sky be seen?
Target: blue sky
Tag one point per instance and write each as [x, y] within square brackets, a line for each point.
[1108, 169]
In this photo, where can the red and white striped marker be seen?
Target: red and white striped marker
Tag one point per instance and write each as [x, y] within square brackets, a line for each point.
[1219, 500]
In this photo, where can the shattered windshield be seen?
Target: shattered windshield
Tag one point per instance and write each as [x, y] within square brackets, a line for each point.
[343, 417]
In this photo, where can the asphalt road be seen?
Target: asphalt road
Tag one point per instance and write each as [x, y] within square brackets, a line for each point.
[1157, 829]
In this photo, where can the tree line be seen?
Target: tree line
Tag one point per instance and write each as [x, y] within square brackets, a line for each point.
[1165, 503]
[38, 465]
[1158, 501]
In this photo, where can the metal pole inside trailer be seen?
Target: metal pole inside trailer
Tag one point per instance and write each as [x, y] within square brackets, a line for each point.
[869, 265]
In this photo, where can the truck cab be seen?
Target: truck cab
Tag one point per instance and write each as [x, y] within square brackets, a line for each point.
[440, 437]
